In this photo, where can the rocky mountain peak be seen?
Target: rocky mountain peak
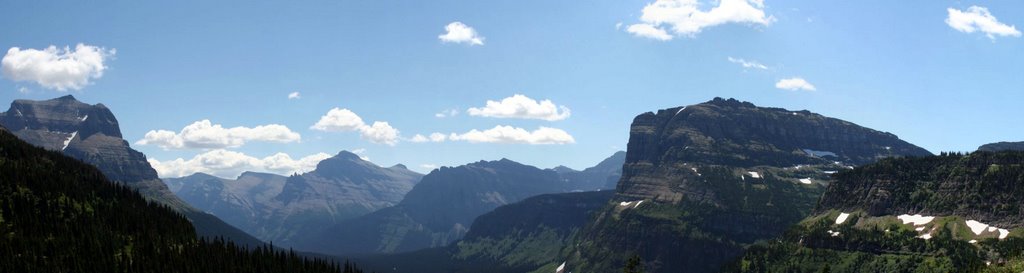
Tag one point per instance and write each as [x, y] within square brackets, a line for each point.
[64, 114]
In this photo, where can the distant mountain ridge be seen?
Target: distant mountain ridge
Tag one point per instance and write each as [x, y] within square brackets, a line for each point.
[513, 238]
[277, 208]
[1002, 146]
[91, 133]
[439, 209]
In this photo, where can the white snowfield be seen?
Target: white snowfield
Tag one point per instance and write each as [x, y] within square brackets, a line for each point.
[829, 172]
[681, 110]
[695, 170]
[915, 219]
[833, 233]
[754, 174]
[842, 218]
[85, 117]
[561, 268]
[806, 181]
[925, 236]
[979, 227]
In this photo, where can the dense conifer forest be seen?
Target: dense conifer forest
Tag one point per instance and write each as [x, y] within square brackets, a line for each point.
[58, 214]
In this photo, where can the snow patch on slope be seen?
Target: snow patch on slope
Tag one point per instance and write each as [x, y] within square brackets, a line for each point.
[915, 219]
[842, 218]
[68, 141]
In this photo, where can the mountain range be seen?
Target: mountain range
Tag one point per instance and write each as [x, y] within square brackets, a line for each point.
[722, 185]
[440, 209]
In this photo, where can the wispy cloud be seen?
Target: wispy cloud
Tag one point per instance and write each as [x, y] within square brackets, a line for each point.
[514, 135]
[447, 113]
[294, 95]
[979, 19]
[747, 64]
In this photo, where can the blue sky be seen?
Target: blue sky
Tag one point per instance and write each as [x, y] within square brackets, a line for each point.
[892, 66]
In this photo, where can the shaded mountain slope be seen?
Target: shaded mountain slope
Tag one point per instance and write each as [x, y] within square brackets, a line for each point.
[58, 214]
[91, 133]
[948, 213]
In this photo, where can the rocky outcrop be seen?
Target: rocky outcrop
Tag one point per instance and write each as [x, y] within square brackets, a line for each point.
[1002, 146]
[91, 133]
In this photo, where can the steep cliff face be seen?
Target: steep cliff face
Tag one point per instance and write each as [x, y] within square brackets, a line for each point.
[701, 182]
[91, 133]
[739, 134]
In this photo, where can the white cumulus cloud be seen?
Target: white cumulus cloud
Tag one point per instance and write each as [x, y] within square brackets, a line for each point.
[294, 95]
[457, 32]
[523, 107]
[56, 68]
[794, 84]
[685, 17]
[514, 135]
[747, 64]
[204, 134]
[230, 164]
[976, 19]
[344, 120]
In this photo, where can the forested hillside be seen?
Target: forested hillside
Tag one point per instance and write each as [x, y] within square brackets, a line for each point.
[58, 214]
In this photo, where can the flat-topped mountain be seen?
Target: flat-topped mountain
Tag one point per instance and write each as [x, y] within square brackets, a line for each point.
[740, 134]
[701, 182]
[90, 133]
